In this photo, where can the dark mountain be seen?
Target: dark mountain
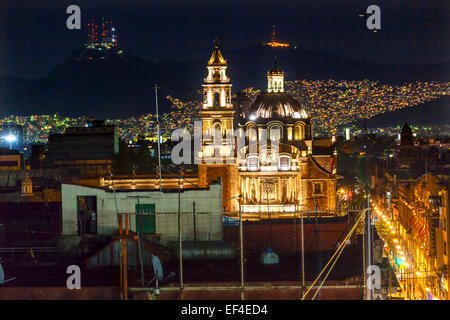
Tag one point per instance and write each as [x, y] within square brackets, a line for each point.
[122, 86]
[436, 112]
[114, 87]
[251, 65]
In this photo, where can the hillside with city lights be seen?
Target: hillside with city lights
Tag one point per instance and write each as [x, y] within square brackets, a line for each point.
[103, 79]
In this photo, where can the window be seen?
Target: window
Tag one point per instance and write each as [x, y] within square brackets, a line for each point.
[317, 188]
[87, 215]
[251, 133]
[217, 76]
[216, 99]
[253, 163]
[275, 133]
[217, 129]
[296, 133]
[9, 163]
[299, 132]
[285, 163]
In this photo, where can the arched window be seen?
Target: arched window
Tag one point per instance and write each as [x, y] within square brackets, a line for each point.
[216, 76]
[275, 132]
[216, 99]
[252, 133]
[299, 132]
[217, 129]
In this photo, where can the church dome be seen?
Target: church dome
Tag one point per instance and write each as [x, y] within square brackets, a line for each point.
[273, 105]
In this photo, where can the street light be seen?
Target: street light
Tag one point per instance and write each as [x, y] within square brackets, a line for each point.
[10, 138]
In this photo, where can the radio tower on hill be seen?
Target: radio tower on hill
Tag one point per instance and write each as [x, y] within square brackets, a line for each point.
[273, 34]
[273, 42]
[101, 42]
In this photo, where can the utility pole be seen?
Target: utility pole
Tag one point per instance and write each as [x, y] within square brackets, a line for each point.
[123, 256]
[364, 253]
[125, 262]
[119, 218]
[139, 231]
[369, 241]
[241, 242]
[295, 231]
[180, 241]
[193, 218]
[241, 238]
[303, 250]
[159, 142]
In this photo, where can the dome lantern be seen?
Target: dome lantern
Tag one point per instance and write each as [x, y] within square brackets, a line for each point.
[275, 79]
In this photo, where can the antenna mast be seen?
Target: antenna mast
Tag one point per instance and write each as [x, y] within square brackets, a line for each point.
[273, 34]
[159, 143]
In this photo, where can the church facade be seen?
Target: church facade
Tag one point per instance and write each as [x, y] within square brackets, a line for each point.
[270, 166]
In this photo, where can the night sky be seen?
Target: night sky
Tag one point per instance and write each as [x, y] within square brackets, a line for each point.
[34, 37]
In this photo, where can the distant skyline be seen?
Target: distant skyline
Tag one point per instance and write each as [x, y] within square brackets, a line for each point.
[34, 38]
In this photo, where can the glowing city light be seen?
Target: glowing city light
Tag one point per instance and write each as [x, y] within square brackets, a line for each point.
[10, 138]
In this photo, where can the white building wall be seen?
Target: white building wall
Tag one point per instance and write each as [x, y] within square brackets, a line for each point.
[208, 226]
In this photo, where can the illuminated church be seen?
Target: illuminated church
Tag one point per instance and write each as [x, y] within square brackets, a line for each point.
[280, 169]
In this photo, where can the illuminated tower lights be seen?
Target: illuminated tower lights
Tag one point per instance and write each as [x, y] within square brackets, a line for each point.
[92, 35]
[108, 37]
[274, 42]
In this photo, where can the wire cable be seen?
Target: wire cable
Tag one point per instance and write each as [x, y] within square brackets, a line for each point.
[326, 276]
[337, 251]
[337, 258]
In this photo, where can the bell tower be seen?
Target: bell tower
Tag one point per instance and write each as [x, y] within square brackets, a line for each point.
[217, 111]
[217, 154]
